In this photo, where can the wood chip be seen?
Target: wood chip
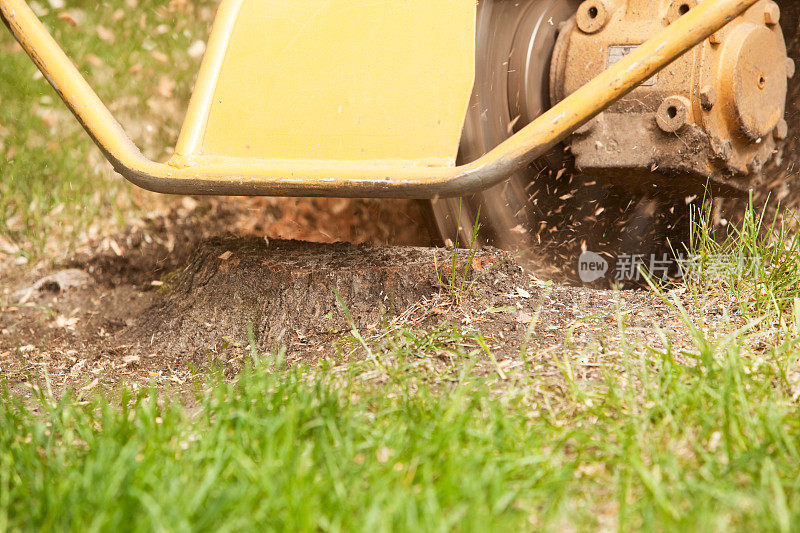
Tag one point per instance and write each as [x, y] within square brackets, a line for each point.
[524, 318]
[161, 57]
[115, 247]
[91, 385]
[94, 60]
[166, 87]
[66, 17]
[105, 34]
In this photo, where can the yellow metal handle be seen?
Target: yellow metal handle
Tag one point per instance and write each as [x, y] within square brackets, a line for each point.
[232, 176]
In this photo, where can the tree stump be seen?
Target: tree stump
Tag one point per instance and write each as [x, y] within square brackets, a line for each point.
[237, 291]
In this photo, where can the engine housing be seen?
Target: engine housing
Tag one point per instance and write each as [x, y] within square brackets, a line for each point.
[714, 116]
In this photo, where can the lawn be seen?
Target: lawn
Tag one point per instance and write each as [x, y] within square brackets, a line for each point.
[408, 431]
[139, 57]
[701, 440]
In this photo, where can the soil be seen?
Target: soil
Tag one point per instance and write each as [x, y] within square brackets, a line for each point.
[182, 291]
[52, 326]
[170, 293]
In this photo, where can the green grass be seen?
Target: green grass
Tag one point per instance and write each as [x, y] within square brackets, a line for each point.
[657, 440]
[757, 265]
[55, 187]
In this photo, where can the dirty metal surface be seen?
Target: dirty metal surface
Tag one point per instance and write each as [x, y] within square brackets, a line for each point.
[716, 113]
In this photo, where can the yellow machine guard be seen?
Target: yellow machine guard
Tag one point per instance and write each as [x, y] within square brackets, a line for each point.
[215, 160]
[338, 80]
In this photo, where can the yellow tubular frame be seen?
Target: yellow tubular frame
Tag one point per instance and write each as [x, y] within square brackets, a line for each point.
[232, 176]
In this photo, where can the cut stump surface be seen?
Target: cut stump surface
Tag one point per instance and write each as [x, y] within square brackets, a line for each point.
[276, 294]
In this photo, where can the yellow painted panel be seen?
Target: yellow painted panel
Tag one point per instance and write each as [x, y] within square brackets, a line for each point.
[335, 79]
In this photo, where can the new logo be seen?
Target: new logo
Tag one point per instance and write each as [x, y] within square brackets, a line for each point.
[591, 267]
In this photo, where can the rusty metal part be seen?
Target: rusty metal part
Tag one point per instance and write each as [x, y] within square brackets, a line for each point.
[593, 15]
[714, 114]
[753, 79]
[673, 114]
[677, 9]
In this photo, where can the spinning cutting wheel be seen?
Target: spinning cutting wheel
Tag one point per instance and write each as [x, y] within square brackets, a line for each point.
[515, 43]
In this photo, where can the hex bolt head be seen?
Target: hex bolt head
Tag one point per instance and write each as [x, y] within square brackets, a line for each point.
[673, 114]
[781, 130]
[791, 67]
[772, 14]
[592, 16]
[708, 97]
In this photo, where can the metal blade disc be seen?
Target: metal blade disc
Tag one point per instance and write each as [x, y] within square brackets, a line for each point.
[515, 41]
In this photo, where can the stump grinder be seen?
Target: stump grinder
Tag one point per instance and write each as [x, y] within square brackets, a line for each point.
[459, 102]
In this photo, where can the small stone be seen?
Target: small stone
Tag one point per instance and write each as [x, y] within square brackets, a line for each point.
[59, 282]
[524, 318]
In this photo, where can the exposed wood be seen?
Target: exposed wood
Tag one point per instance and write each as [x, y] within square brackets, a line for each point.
[286, 291]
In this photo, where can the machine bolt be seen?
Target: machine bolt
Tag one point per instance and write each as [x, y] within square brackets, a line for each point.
[781, 130]
[673, 114]
[772, 14]
[708, 97]
[790, 67]
[592, 16]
